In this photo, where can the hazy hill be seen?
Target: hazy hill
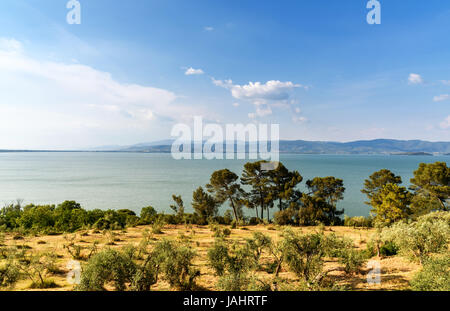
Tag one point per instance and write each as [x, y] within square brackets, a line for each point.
[378, 146]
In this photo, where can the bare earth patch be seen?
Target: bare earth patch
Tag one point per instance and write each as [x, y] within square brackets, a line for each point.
[396, 272]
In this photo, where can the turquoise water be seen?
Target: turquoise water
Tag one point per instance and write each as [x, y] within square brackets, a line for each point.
[135, 180]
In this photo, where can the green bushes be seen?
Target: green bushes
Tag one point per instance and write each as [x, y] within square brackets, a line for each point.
[9, 274]
[284, 217]
[304, 254]
[157, 225]
[36, 267]
[418, 240]
[147, 214]
[358, 222]
[352, 260]
[231, 264]
[108, 266]
[257, 244]
[435, 275]
[175, 262]
[68, 216]
[389, 249]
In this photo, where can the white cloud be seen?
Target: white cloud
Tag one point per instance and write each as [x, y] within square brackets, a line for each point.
[441, 98]
[40, 98]
[446, 82]
[191, 71]
[299, 119]
[415, 78]
[10, 45]
[298, 110]
[271, 90]
[235, 104]
[445, 124]
[263, 111]
[208, 28]
[264, 96]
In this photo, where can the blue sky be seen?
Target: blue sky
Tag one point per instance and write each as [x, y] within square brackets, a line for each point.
[314, 67]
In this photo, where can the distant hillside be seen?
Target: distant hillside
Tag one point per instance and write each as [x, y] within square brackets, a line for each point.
[378, 146]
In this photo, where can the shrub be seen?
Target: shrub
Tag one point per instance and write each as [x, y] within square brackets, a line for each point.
[253, 221]
[358, 222]
[284, 217]
[303, 254]
[228, 217]
[36, 267]
[44, 284]
[226, 232]
[435, 275]
[175, 262]
[218, 257]
[233, 282]
[9, 274]
[147, 215]
[389, 249]
[231, 264]
[257, 244]
[419, 239]
[353, 260]
[108, 266]
[157, 225]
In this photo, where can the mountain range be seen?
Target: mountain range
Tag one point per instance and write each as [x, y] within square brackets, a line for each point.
[377, 146]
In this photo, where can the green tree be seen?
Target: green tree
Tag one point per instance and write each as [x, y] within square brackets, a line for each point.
[377, 181]
[391, 204]
[148, 214]
[431, 186]
[253, 175]
[204, 204]
[69, 216]
[224, 187]
[178, 207]
[331, 190]
[283, 185]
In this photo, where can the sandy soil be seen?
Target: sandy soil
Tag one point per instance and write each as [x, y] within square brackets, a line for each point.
[396, 272]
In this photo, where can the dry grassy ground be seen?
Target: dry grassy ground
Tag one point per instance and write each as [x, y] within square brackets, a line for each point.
[395, 271]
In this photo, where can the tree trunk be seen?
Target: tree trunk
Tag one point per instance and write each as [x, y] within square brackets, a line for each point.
[234, 210]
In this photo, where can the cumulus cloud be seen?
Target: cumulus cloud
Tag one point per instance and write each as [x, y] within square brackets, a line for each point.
[264, 96]
[441, 98]
[191, 71]
[208, 28]
[271, 90]
[445, 124]
[415, 78]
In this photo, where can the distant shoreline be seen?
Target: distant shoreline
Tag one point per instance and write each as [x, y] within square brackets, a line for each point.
[368, 147]
[168, 152]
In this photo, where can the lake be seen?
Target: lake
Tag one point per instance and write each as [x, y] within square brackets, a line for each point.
[135, 180]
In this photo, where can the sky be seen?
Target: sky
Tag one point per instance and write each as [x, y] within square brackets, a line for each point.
[131, 70]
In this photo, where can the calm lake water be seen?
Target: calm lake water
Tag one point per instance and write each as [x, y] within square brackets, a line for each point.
[135, 180]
